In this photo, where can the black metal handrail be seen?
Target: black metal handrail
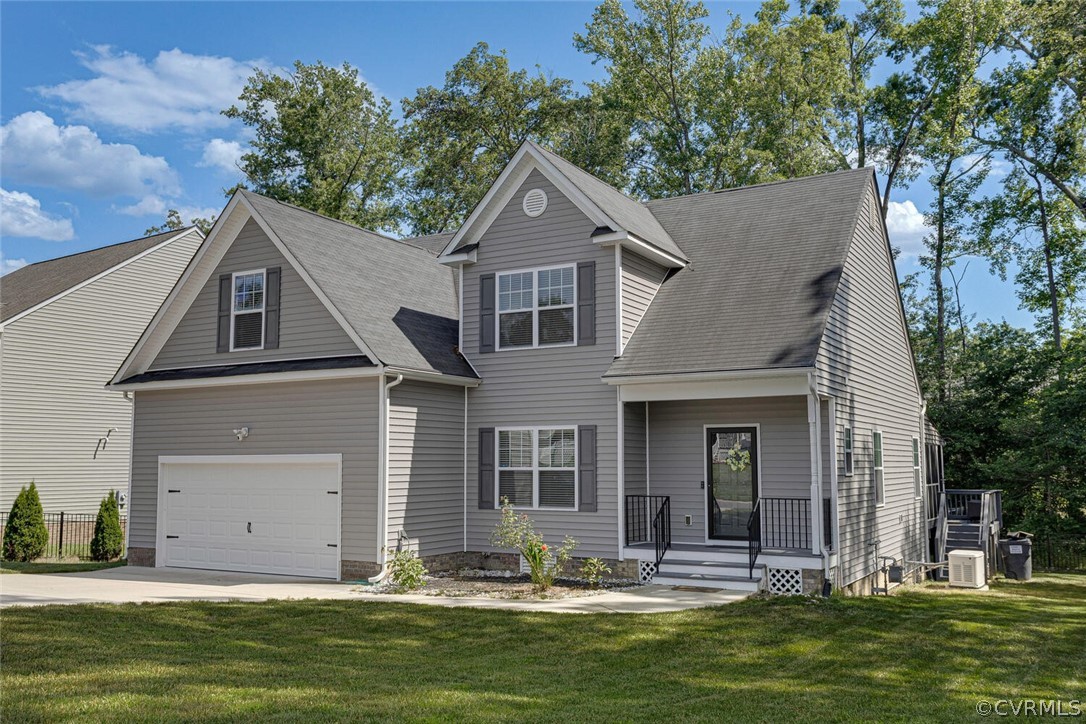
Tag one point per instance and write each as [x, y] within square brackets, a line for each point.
[786, 522]
[640, 512]
[661, 530]
[754, 536]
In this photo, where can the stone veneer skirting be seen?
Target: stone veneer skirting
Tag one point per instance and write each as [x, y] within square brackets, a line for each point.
[141, 557]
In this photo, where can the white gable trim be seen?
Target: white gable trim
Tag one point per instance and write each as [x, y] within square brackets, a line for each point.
[629, 241]
[524, 161]
[131, 260]
[210, 254]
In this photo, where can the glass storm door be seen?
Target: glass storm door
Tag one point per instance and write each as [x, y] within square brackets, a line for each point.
[733, 480]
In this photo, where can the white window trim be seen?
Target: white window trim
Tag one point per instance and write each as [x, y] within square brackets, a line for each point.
[848, 450]
[263, 307]
[534, 310]
[535, 466]
[918, 471]
[876, 469]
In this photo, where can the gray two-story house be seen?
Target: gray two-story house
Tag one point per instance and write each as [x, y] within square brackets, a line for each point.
[713, 389]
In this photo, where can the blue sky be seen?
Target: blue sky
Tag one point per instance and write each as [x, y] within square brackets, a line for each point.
[110, 110]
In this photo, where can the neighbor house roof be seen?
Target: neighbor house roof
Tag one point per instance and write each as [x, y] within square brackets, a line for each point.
[394, 295]
[764, 266]
[31, 285]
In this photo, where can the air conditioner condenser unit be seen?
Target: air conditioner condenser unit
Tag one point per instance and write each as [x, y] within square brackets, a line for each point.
[966, 569]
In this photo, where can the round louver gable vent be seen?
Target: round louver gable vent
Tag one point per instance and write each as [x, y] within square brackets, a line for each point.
[535, 202]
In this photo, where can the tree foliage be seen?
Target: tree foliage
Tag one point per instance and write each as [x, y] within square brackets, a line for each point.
[173, 222]
[107, 542]
[25, 534]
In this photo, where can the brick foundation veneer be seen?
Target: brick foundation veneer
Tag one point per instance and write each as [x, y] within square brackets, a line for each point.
[141, 557]
[357, 570]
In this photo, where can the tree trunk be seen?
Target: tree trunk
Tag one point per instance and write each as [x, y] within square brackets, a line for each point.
[937, 282]
[1053, 294]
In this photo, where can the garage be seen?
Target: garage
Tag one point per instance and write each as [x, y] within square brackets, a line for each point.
[253, 513]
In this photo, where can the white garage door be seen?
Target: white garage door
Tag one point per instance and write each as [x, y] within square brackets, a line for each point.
[259, 514]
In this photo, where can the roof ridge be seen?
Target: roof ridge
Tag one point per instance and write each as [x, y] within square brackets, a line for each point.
[107, 246]
[778, 182]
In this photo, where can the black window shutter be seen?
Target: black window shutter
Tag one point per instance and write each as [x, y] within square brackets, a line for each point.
[487, 307]
[586, 303]
[586, 464]
[226, 298]
[486, 468]
[271, 308]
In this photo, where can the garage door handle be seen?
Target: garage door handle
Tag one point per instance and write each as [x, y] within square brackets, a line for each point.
[172, 536]
[173, 491]
[333, 492]
[332, 545]
[249, 527]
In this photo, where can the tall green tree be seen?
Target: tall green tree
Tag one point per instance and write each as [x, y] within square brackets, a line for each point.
[461, 135]
[322, 140]
[174, 222]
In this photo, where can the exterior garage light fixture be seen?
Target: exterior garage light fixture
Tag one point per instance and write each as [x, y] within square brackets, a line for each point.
[241, 433]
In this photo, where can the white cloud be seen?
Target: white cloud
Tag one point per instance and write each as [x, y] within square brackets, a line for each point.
[10, 265]
[147, 206]
[174, 89]
[906, 226]
[21, 215]
[188, 213]
[37, 151]
[222, 154]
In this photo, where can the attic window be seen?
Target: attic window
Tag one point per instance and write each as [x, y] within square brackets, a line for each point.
[535, 202]
[247, 311]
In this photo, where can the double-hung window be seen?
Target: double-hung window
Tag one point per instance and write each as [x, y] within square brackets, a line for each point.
[918, 489]
[247, 310]
[849, 458]
[536, 308]
[537, 468]
[879, 470]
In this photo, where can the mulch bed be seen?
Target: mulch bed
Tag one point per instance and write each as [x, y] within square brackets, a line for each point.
[491, 584]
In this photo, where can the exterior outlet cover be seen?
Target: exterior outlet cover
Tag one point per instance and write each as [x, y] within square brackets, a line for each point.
[689, 520]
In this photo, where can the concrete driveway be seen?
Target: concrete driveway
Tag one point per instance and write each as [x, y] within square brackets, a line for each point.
[134, 584]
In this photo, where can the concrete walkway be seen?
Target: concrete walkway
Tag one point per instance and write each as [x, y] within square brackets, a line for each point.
[131, 584]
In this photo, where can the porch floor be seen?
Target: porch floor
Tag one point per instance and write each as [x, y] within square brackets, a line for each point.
[723, 547]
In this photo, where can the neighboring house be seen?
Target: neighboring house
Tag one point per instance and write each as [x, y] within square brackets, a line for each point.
[65, 326]
[724, 377]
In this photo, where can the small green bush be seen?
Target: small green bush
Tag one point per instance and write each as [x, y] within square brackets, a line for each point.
[407, 571]
[108, 540]
[593, 570]
[25, 534]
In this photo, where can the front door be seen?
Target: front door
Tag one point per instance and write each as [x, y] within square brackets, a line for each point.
[733, 480]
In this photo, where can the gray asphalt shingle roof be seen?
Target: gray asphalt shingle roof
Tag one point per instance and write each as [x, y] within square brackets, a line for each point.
[33, 284]
[764, 265]
[399, 300]
[631, 215]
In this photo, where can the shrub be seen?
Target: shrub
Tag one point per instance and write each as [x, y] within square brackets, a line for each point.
[25, 534]
[406, 570]
[108, 540]
[593, 570]
[519, 533]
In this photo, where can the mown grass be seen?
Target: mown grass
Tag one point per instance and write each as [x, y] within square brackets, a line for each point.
[921, 655]
[57, 566]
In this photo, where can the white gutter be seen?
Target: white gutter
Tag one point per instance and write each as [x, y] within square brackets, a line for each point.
[788, 372]
[382, 479]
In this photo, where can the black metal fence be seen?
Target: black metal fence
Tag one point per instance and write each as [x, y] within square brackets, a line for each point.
[1060, 553]
[69, 533]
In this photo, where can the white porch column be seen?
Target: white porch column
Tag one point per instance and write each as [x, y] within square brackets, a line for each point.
[814, 423]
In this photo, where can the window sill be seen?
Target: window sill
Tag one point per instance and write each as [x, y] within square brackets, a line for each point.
[536, 346]
[544, 510]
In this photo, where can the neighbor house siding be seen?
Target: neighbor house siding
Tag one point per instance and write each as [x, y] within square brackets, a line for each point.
[426, 467]
[54, 365]
[325, 417]
[635, 479]
[677, 456]
[865, 362]
[558, 386]
[641, 279]
[306, 327]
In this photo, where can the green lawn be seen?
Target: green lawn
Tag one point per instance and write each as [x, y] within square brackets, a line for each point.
[56, 566]
[919, 655]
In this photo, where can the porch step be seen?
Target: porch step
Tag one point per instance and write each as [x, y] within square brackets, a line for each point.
[683, 568]
[707, 580]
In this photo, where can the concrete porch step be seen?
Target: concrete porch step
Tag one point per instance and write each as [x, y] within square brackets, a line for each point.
[706, 580]
[683, 567]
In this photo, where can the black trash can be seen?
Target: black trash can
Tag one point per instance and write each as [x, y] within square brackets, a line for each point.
[1017, 553]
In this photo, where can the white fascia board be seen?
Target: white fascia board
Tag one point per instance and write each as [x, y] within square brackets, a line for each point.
[712, 385]
[131, 260]
[437, 377]
[253, 379]
[459, 259]
[642, 247]
[524, 161]
[145, 350]
[314, 287]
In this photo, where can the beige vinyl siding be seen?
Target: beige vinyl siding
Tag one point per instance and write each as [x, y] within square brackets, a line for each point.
[319, 417]
[865, 362]
[635, 478]
[641, 279]
[426, 467]
[306, 327]
[677, 457]
[537, 387]
[54, 365]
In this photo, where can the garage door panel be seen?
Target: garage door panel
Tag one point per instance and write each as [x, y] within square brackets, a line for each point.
[258, 516]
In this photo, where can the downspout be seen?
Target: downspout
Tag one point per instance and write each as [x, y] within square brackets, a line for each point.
[382, 480]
